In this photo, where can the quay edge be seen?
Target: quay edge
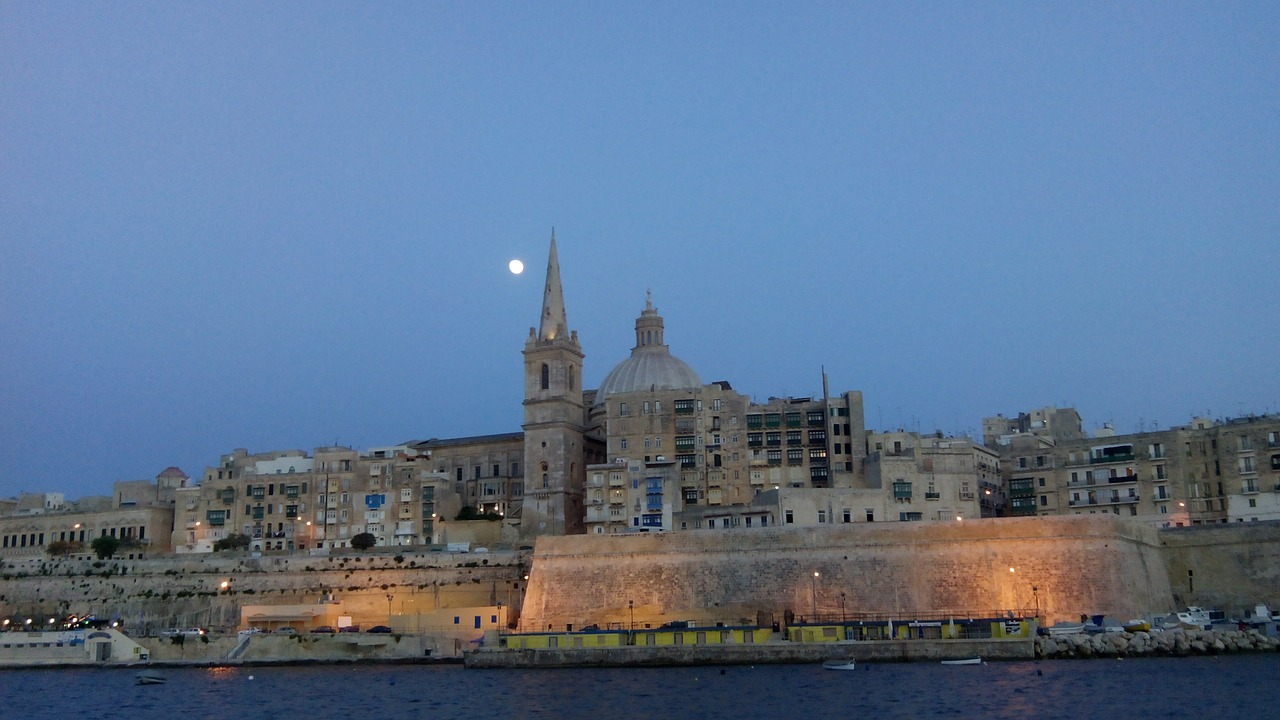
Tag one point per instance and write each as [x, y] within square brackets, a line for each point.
[762, 654]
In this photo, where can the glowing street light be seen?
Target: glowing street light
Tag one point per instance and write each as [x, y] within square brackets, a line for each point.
[813, 587]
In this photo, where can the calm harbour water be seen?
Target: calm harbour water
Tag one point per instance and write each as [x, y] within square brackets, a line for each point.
[1242, 686]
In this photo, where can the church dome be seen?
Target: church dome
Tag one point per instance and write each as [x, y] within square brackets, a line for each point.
[651, 365]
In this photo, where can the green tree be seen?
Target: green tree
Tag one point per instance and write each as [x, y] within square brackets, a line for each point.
[234, 541]
[363, 541]
[104, 546]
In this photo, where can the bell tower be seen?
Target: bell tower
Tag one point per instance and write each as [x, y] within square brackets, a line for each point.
[554, 471]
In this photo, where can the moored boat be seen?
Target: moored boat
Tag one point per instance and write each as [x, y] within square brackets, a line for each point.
[839, 665]
[1137, 625]
[149, 677]
[964, 661]
[1063, 629]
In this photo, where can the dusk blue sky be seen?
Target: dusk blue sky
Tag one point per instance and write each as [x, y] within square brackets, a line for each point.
[285, 225]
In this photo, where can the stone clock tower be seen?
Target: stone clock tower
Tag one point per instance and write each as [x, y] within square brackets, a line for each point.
[554, 471]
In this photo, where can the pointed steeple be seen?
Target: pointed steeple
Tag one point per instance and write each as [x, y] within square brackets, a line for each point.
[553, 324]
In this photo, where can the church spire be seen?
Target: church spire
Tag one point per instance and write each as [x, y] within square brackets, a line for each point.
[553, 324]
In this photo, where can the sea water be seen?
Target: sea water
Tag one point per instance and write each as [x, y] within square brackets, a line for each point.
[1237, 686]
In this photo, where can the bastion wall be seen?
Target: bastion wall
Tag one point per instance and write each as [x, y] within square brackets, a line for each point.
[1232, 567]
[1064, 565]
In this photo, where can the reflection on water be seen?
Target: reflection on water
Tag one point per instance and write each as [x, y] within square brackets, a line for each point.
[1221, 687]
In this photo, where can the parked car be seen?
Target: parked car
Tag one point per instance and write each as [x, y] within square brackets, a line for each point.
[324, 629]
[251, 631]
[183, 632]
[285, 631]
[349, 628]
[383, 629]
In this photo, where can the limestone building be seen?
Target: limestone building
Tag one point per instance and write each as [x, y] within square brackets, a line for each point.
[556, 447]
[139, 514]
[1205, 472]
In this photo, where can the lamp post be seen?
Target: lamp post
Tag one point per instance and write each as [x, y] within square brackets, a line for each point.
[841, 606]
[390, 597]
[813, 588]
[1035, 591]
[631, 608]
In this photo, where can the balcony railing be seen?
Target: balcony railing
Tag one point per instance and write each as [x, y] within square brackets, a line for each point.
[1122, 500]
[1111, 459]
[932, 496]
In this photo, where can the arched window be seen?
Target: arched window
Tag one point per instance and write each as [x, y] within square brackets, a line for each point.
[546, 376]
[570, 377]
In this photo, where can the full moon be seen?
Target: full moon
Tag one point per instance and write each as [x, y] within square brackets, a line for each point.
[516, 267]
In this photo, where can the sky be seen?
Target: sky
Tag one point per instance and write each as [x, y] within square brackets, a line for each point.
[287, 225]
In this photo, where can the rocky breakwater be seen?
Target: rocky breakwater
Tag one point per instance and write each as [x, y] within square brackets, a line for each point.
[1169, 642]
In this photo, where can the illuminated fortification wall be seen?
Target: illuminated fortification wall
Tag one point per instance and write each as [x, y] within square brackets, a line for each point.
[1078, 564]
[148, 595]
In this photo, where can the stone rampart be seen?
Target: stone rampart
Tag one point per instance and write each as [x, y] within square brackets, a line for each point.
[182, 591]
[1064, 565]
[1231, 567]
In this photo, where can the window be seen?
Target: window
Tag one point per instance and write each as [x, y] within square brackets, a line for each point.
[623, 410]
[644, 408]
[822, 517]
[847, 515]
[622, 444]
[788, 517]
[546, 376]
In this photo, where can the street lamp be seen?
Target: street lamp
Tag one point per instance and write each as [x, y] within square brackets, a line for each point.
[631, 607]
[841, 606]
[813, 588]
[390, 597]
[1035, 591]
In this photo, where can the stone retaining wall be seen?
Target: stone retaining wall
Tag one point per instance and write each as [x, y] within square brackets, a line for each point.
[148, 595]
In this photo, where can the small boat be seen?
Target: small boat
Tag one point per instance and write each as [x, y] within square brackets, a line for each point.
[964, 661]
[839, 665]
[151, 678]
[1063, 629]
[1195, 617]
[1137, 625]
